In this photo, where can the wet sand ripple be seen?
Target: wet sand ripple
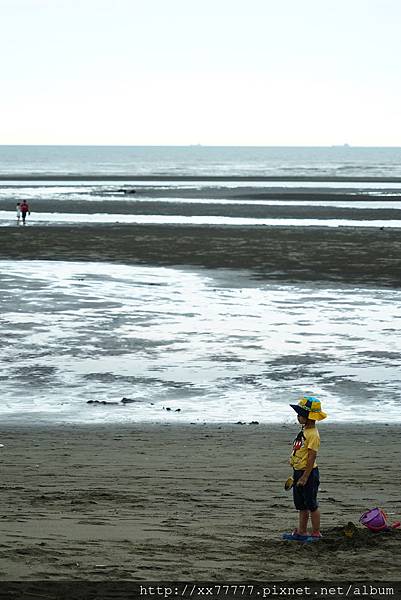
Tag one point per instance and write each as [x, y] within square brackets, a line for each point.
[345, 254]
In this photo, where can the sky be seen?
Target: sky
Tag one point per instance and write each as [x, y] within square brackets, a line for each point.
[214, 72]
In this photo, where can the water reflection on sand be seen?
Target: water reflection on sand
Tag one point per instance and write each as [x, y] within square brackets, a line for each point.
[217, 345]
[7, 218]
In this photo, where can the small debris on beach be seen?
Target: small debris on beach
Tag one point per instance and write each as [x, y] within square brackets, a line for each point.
[129, 400]
[103, 402]
[126, 191]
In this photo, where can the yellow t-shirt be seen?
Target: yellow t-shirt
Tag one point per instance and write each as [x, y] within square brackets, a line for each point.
[310, 441]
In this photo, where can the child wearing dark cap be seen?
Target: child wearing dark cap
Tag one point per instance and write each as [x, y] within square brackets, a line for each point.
[306, 472]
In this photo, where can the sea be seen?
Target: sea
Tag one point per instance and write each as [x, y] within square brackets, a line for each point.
[101, 343]
[200, 160]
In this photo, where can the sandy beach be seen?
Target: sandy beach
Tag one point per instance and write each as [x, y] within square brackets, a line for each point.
[251, 210]
[201, 502]
[200, 225]
[352, 255]
[198, 502]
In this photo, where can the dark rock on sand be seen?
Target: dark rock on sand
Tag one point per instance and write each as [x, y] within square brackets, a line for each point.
[129, 400]
[126, 191]
[104, 402]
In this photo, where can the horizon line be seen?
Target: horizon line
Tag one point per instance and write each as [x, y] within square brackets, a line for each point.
[335, 146]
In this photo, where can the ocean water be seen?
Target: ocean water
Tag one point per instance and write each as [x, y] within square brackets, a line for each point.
[191, 346]
[49, 199]
[200, 160]
[387, 193]
[188, 346]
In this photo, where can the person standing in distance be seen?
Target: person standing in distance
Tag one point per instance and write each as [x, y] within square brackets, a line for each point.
[24, 208]
[18, 212]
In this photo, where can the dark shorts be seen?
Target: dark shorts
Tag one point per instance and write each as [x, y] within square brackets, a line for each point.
[305, 496]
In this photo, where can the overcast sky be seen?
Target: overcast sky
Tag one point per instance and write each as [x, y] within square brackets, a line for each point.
[219, 72]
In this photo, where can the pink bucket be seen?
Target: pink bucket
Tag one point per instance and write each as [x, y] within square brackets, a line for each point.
[374, 519]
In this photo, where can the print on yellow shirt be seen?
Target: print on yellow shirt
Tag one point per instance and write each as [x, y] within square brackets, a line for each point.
[310, 440]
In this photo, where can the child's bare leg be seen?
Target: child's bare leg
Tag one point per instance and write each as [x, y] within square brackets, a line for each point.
[303, 521]
[315, 518]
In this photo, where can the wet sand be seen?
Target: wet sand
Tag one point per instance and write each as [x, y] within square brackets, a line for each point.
[358, 256]
[206, 503]
[133, 206]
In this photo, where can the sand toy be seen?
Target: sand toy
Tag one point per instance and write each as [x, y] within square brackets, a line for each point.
[375, 519]
[289, 483]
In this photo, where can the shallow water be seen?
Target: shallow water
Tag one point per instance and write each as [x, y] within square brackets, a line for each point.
[8, 219]
[217, 345]
[81, 190]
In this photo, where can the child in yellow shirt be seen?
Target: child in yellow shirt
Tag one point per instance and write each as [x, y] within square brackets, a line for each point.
[306, 471]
